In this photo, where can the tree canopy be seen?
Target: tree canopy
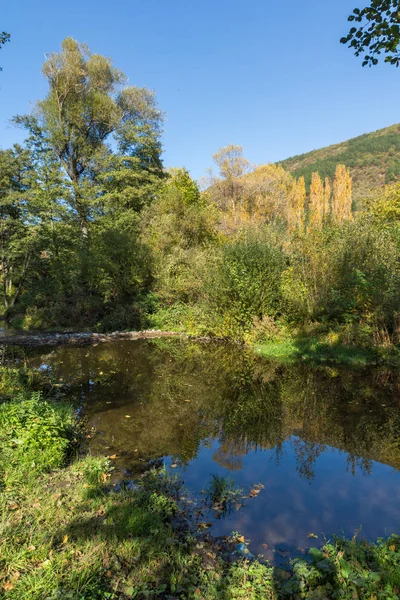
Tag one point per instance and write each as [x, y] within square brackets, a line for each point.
[377, 32]
[4, 38]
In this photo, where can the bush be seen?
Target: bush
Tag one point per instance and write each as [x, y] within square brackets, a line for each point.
[35, 434]
[245, 285]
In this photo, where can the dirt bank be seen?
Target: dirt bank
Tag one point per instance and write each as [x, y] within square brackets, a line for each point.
[76, 339]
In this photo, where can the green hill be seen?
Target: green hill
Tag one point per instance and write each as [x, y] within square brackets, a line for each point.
[374, 159]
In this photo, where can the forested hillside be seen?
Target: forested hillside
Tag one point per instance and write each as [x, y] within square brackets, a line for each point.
[374, 159]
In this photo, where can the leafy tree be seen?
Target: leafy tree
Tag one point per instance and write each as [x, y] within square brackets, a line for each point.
[86, 108]
[17, 224]
[317, 198]
[378, 32]
[4, 38]
[179, 228]
[342, 194]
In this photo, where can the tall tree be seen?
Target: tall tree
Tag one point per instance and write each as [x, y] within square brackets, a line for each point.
[226, 190]
[87, 107]
[17, 223]
[296, 207]
[342, 194]
[327, 197]
[317, 200]
[377, 33]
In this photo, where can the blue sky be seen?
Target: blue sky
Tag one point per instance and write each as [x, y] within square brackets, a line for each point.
[265, 74]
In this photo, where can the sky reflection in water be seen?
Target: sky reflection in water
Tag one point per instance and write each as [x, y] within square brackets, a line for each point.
[324, 442]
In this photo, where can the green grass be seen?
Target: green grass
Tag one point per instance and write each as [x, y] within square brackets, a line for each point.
[313, 350]
[65, 533]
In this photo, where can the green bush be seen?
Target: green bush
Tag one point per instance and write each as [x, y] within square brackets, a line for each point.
[35, 434]
[245, 283]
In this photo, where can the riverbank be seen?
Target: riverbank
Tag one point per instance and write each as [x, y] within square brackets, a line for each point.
[67, 532]
[316, 349]
[79, 338]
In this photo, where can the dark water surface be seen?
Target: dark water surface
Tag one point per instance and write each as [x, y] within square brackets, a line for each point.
[324, 442]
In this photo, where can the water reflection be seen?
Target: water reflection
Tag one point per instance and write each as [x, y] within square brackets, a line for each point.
[324, 442]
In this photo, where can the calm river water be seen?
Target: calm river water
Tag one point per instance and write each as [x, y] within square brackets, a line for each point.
[324, 442]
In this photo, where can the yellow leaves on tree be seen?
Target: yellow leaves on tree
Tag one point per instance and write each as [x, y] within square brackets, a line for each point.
[296, 207]
[317, 202]
[342, 194]
[327, 197]
[322, 204]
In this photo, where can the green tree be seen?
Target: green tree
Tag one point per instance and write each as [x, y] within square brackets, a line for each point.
[377, 33]
[17, 224]
[87, 107]
[179, 227]
[4, 38]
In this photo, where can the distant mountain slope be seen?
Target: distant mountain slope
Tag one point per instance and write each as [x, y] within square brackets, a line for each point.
[374, 159]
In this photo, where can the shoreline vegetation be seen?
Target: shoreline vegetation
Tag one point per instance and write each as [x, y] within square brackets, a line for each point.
[310, 348]
[67, 532]
[97, 234]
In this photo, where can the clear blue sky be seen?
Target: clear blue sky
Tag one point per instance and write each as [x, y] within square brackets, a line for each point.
[269, 75]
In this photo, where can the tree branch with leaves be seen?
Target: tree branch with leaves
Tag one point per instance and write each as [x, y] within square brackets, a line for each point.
[377, 32]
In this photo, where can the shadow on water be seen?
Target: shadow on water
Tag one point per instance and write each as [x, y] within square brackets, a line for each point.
[324, 442]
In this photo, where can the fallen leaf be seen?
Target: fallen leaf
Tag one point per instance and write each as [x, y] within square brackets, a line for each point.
[31, 548]
[13, 505]
[241, 539]
[65, 539]
[254, 493]
[7, 586]
[15, 576]
[265, 546]
[45, 563]
[174, 465]
[113, 456]
[127, 416]
[392, 547]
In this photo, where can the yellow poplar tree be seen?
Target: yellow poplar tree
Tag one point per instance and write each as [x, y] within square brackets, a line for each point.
[317, 199]
[296, 206]
[327, 197]
[342, 194]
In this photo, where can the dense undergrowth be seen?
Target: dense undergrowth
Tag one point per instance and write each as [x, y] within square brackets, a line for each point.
[65, 532]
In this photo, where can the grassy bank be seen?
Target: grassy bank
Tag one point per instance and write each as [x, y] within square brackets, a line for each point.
[314, 350]
[66, 532]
